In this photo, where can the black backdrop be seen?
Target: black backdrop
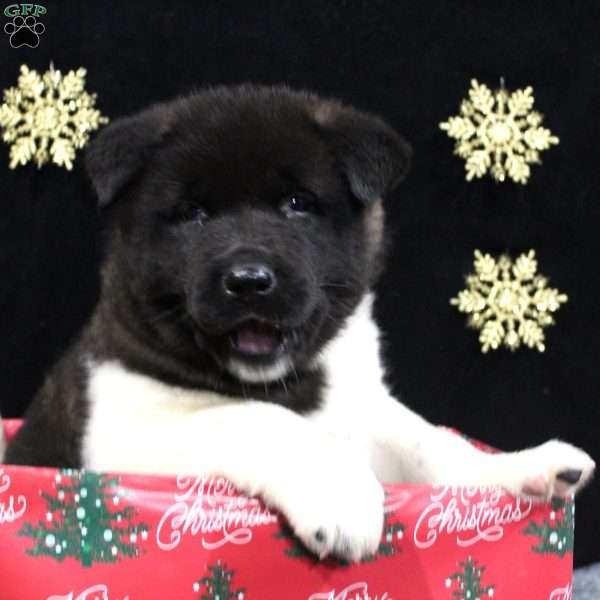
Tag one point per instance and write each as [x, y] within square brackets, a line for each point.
[411, 62]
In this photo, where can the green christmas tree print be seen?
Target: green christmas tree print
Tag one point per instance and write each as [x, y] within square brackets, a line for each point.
[390, 543]
[295, 548]
[467, 582]
[217, 585]
[79, 523]
[556, 534]
[393, 532]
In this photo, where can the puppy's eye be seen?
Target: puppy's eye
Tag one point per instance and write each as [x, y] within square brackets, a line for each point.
[185, 213]
[195, 213]
[299, 204]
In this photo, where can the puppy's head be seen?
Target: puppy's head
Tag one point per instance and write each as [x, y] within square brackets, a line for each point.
[245, 224]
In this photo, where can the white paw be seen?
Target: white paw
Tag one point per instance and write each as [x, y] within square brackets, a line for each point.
[335, 506]
[552, 469]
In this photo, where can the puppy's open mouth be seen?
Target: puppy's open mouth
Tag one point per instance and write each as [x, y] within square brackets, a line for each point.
[260, 340]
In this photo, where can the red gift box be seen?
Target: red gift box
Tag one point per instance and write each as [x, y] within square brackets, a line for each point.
[79, 535]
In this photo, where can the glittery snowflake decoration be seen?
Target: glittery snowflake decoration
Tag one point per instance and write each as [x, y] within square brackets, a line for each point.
[48, 117]
[499, 132]
[508, 302]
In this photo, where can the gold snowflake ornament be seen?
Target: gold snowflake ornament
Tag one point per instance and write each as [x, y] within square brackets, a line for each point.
[498, 132]
[48, 117]
[508, 302]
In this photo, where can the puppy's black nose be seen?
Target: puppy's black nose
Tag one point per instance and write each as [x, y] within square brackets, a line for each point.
[244, 281]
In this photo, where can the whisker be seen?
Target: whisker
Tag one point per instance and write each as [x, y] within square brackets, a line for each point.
[165, 314]
[334, 320]
[346, 305]
[295, 372]
[326, 284]
[284, 386]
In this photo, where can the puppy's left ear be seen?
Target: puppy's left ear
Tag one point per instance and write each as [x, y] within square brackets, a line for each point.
[373, 156]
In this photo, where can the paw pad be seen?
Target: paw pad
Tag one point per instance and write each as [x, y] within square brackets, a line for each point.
[320, 536]
[24, 31]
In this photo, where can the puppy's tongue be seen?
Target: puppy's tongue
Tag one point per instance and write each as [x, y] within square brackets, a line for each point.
[256, 339]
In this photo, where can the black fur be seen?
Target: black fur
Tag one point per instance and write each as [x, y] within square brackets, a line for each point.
[193, 187]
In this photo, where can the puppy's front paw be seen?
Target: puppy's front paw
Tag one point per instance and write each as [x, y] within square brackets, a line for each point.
[552, 469]
[336, 508]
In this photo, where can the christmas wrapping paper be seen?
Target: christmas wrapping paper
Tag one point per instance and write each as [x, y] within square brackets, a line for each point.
[80, 535]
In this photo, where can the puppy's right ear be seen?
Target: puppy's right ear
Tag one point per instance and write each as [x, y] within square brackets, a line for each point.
[120, 150]
[372, 155]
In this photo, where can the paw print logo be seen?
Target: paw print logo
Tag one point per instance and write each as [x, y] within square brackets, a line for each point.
[24, 31]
